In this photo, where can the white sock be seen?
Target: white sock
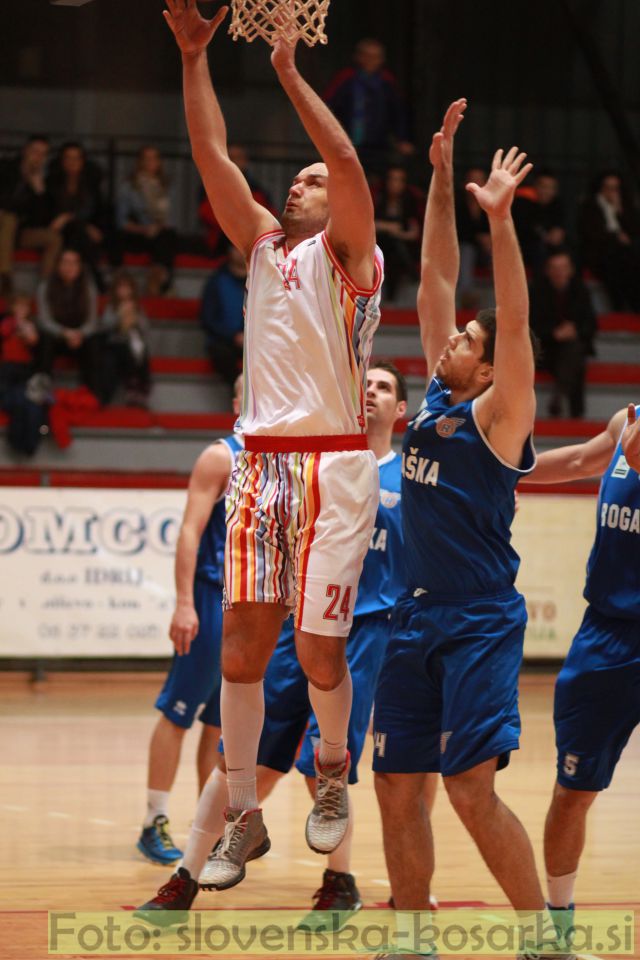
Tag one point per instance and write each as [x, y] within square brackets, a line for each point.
[242, 711]
[199, 846]
[332, 709]
[157, 803]
[561, 889]
[208, 823]
[339, 860]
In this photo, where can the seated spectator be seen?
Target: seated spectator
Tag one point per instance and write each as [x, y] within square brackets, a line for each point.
[222, 316]
[398, 214]
[539, 218]
[68, 322]
[127, 330]
[215, 240]
[24, 396]
[144, 219]
[78, 205]
[609, 235]
[563, 318]
[27, 212]
[473, 237]
[366, 100]
[18, 341]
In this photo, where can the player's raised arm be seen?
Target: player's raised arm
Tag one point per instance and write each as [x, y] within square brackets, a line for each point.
[241, 218]
[507, 409]
[208, 482]
[440, 257]
[351, 228]
[590, 459]
[631, 439]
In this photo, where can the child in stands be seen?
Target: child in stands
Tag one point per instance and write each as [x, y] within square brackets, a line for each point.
[127, 328]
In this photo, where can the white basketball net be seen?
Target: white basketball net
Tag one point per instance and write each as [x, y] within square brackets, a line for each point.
[271, 19]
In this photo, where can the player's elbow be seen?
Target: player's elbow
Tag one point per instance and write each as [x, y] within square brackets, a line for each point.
[206, 155]
[345, 154]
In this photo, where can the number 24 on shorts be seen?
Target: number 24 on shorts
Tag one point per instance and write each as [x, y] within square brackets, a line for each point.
[338, 606]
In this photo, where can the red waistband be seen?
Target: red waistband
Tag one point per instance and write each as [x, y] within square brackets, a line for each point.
[335, 444]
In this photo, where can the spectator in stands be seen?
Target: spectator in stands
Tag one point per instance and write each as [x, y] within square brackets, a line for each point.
[127, 329]
[398, 215]
[145, 221]
[78, 205]
[366, 100]
[26, 211]
[68, 322]
[563, 318]
[18, 341]
[609, 234]
[24, 396]
[539, 217]
[473, 235]
[222, 316]
[215, 240]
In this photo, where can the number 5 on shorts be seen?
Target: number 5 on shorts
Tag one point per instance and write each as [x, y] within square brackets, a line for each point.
[335, 591]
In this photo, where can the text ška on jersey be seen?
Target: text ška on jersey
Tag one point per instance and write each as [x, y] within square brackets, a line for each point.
[457, 502]
[307, 340]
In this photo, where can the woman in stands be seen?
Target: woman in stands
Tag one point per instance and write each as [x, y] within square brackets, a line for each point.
[67, 320]
[143, 219]
[78, 205]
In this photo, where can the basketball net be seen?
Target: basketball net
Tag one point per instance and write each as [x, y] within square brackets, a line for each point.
[272, 19]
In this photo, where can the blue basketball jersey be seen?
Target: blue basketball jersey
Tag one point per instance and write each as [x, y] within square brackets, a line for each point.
[457, 502]
[210, 560]
[382, 579]
[613, 569]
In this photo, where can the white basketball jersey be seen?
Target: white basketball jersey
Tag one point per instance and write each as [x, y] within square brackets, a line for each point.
[307, 340]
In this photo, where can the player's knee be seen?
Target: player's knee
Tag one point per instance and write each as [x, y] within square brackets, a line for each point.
[469, 798]
[572, 801]
[168, 726]
[237, 667]
[324, 668]
[325, 675]
[397, 794]
[323, 659]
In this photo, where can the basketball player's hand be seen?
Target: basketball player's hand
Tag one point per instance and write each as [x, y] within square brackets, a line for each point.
[284, 54]
[184, 627]
[192, 32]
[631, 439]
[284, 49]
[441, 150]
[507, 173]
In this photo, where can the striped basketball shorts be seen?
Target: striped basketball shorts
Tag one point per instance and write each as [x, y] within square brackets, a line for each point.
[298, 528]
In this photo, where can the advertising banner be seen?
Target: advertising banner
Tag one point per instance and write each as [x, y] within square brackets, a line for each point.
[87, 572]
[553, 535]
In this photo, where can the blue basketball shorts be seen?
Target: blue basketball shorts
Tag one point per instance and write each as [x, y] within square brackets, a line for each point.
[597, 700]
[288, 712]
[194, 680]
[447, 698]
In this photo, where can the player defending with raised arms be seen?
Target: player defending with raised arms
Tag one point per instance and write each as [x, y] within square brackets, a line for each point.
[596, 698]
[448, 694]
[304, 493]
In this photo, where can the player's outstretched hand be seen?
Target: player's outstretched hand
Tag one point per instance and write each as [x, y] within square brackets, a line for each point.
[441, 150]
[193, 33]
[184, 627]
[284, 49]
[631, 439]
[507, 173]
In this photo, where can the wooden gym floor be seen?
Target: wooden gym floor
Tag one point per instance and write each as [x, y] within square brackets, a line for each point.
[72, 797]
